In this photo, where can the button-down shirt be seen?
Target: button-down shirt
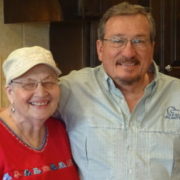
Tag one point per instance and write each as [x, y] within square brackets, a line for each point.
[110, 143]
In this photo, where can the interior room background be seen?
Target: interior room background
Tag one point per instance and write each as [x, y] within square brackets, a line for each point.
[69, 29]
[17, 35]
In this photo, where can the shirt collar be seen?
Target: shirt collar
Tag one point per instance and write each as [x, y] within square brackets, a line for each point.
[103, 77]
[155, 69]
[108, 83]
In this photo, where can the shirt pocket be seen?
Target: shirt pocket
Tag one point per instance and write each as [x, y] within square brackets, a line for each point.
[100, 144]
[161, 149]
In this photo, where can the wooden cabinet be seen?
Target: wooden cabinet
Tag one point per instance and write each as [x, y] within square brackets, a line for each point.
[167, 48]
[74, 43]
[73, 38]
[70, 44]
[89, 9]
[20, 11]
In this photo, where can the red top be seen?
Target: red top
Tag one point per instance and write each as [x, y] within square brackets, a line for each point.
[53, 161]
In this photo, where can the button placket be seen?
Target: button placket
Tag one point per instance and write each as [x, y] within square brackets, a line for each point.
[130, 171]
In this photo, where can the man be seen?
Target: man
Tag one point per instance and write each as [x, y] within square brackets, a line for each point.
[122, 119]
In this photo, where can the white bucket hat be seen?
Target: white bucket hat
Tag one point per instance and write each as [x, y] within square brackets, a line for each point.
[23, 59]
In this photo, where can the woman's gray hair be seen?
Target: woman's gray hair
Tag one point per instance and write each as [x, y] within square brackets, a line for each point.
[126, 9]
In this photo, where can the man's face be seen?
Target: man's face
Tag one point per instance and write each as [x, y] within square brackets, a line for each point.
[126, 65]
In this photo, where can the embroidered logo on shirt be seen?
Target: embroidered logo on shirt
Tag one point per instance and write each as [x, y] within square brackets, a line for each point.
[27, 173]
[7, 177]
[17, 174]
[46, 168]
[172, 113]
[53, 167]
[62, 165]
[38, 170]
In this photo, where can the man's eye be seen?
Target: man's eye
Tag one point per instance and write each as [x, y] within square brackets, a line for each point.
[138, 41]
[117, 41]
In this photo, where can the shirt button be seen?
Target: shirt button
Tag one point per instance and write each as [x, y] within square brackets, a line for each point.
[130, 148]
[130, 171]
[122, 101]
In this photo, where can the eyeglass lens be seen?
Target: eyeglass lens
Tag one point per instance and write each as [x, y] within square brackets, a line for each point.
[48, 84]
[117, 42]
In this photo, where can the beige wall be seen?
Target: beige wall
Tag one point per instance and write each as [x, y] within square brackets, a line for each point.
[14, 36]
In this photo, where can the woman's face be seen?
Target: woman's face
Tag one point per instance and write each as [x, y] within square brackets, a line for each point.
[37, 104]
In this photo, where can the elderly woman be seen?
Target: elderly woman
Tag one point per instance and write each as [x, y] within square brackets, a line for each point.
[33, 145]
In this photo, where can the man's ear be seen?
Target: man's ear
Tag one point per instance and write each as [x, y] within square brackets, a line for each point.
[99, 46]
[9, 92]
[152, 45]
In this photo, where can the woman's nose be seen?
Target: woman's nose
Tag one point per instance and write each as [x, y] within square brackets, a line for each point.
[41, 90]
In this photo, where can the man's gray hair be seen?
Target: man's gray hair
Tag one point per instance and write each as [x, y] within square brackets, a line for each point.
[126, 9]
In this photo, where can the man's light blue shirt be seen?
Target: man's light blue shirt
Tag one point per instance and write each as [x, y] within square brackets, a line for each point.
[110, 143]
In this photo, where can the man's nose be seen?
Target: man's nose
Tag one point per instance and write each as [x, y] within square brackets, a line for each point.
[128, 51]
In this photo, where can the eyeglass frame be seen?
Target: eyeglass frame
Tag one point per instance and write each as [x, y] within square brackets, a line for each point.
[36, 83]
[126, 41]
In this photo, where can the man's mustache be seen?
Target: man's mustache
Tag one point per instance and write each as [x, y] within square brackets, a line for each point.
[127, 60]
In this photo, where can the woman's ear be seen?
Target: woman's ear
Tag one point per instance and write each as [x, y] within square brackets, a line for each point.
[9, 92]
